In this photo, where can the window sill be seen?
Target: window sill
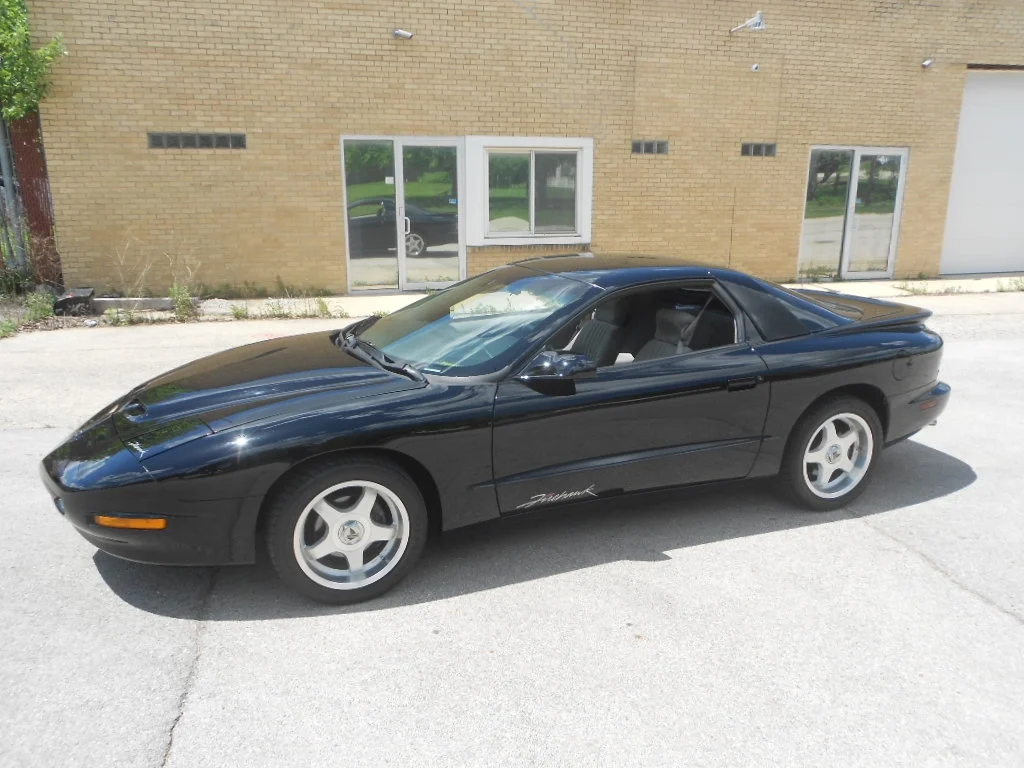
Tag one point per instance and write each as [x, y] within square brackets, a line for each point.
[531, 240]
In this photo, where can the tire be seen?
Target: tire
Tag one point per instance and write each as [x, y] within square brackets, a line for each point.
[348, 531]
[415, 245]
[848, 454]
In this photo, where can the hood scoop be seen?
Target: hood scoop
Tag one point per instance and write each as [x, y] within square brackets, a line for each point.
[250, 382]
[134, 410]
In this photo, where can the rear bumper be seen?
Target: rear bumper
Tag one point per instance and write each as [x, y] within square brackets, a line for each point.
[198, 532]
[912, 411]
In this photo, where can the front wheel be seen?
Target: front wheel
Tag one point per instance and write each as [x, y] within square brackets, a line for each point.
[346, 532]
[831, 454]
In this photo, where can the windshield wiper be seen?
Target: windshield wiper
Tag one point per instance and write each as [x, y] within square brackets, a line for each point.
[368, 353]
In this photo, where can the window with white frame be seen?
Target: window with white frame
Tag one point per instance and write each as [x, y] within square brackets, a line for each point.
[528, 190]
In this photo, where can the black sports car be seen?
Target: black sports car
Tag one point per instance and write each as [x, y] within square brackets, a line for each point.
[549, 381]
[372, 228]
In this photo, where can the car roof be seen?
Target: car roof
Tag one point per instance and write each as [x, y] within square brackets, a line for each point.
[611, 270]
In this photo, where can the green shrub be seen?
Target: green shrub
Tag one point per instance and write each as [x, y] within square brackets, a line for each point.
[240, 311]
[39, 305]
[7, 328]
[185, 306]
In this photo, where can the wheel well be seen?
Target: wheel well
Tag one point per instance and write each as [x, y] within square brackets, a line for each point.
[419, 474]
[869, 393]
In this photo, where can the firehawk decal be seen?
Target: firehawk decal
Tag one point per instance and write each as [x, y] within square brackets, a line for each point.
[551, 498]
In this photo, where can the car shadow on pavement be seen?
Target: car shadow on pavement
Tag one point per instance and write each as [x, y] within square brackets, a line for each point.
[515, 550]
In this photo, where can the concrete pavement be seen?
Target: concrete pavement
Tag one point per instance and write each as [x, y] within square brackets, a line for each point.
[719, 627]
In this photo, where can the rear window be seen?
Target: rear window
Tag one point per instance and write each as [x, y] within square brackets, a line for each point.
[828, 301]
[782, 314]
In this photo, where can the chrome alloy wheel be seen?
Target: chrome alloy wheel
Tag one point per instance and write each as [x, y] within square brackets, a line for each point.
[838, 455]
[414, 244]
[351, 535]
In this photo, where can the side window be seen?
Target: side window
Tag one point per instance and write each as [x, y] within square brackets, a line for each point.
[650, 325]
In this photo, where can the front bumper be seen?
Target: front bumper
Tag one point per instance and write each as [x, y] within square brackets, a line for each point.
[198, 532]
[912, 411]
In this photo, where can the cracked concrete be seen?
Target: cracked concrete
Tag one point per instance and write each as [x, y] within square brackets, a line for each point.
[947, 574]
[197, 653]
[718, 627]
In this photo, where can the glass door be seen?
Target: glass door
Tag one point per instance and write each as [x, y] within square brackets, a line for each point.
[828, 189]
[371, 214]
[403, 213]
[429, 200]
[851, 212]
[874, 205]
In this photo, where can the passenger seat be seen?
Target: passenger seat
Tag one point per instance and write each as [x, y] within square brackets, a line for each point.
[669, 326]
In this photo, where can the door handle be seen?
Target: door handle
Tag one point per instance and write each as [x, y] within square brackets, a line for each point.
[747, 382]
[408, 225]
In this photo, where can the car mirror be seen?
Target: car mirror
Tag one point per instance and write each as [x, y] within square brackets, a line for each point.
[551, 364]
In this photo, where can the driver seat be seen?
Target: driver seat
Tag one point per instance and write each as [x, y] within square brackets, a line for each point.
[601, 337]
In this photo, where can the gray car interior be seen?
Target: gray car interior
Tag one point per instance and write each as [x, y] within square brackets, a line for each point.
[654, 325]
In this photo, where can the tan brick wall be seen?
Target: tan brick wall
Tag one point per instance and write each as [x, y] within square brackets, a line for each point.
[297, 75]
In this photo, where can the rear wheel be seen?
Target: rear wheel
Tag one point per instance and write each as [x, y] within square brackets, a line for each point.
[346, 532]
[414, 244]
[831, 454]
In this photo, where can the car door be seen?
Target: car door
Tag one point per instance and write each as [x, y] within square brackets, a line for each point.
[382, 234]
[688, 418]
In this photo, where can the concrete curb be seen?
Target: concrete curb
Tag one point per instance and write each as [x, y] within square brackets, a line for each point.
[882, 289]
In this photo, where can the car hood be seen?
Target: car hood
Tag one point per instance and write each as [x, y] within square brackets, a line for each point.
[246, 384]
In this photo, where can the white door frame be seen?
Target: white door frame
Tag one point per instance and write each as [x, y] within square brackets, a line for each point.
[851, 204]
[399, 143]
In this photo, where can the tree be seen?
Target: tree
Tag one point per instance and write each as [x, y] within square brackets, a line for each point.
[24, 70]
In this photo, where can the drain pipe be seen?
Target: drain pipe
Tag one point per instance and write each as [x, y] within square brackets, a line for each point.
[13, 217]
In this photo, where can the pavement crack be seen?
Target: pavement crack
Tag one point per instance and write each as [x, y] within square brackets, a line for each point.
[942, 571]
[197, 653]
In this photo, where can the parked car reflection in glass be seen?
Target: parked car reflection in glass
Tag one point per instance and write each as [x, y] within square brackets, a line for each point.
[373, 231]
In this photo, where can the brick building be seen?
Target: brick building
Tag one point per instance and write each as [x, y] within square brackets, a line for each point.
[304, 140]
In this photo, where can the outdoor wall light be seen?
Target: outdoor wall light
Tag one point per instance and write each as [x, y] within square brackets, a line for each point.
[754, 23]
[927, 63]
[402, 34]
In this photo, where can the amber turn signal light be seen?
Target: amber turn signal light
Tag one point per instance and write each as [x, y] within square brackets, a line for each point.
[139, 523]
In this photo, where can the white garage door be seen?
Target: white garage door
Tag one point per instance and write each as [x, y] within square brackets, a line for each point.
[985, 222]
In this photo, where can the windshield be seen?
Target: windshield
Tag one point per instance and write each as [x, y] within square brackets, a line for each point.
[478, 326]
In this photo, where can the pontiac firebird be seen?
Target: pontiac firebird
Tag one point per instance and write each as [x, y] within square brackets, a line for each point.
[546, 382]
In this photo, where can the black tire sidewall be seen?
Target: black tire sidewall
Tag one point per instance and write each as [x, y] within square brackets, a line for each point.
[291, 500]
[792, 474]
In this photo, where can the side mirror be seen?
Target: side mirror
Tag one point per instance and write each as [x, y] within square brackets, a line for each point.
[550, 364]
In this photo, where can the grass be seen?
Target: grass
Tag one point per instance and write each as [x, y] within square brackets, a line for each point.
[274, 309]
[818, 274]
[1015, 284]
[7, 328]
[246, 290]
[432, 193]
